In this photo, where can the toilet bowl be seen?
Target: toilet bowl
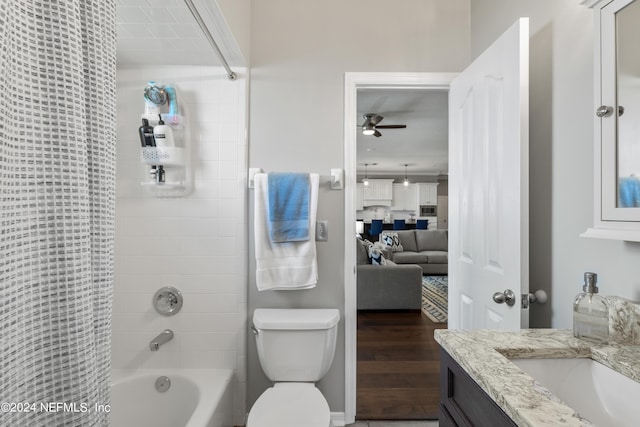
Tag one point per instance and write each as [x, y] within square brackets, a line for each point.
[295, 348]
[290, 405]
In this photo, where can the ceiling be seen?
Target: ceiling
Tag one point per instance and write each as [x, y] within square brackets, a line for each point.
[422, 145]
[164, 32]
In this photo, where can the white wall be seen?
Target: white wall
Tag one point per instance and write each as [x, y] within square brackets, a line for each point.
[299, 54]
[237, 14]
[561, 148]
[195, 243]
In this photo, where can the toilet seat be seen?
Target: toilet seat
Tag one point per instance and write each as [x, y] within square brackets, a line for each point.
[290, 405]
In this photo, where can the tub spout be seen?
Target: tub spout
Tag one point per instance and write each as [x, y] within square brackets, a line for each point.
[164, 337]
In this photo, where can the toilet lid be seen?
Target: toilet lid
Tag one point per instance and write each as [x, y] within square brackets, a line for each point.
[290, 405]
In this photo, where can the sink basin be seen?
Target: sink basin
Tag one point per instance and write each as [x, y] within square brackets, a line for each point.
[598, 393]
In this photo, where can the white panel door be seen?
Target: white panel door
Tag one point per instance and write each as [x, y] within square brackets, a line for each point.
[488, 186]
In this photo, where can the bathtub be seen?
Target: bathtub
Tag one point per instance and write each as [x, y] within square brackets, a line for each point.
[195, 398]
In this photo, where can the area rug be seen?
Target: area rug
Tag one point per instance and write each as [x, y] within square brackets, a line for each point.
[434, 298]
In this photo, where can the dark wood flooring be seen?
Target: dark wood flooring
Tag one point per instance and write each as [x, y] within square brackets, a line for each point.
[398, 366]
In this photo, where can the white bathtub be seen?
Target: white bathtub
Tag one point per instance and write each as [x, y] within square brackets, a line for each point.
[196, 398]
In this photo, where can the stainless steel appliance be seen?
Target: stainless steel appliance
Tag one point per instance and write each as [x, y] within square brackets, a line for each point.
[428, 210]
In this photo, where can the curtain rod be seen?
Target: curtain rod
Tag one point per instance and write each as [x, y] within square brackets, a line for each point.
[205, 30]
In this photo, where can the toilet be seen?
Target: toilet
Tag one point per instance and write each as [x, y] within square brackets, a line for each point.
[295, 348]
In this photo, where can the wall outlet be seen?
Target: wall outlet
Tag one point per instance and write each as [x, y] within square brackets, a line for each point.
[322, 231]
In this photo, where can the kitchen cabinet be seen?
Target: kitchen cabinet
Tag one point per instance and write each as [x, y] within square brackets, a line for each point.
[463, 402]
[379, 192]
[359, 196]
[427, 193]
[443, 212]
[405, 198]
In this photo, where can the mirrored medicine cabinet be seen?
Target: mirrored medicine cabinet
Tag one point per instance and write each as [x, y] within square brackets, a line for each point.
[617, 120]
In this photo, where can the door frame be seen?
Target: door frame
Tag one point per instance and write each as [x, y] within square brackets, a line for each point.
[353, 82]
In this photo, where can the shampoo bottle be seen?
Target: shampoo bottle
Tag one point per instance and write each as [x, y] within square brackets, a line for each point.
[163, 134]
[590, 313]
[146, 134]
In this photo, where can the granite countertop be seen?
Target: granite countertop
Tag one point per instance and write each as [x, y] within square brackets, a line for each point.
[484, 355]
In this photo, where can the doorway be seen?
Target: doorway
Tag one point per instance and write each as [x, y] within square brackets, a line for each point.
[353, 83]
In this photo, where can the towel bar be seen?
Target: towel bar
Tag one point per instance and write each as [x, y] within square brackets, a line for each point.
[336, 178]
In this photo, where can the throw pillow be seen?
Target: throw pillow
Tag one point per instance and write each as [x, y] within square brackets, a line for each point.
[391, 239]
[375, 254]
[362, 252]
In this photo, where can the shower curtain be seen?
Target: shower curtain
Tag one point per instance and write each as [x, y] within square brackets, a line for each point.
[57, 192]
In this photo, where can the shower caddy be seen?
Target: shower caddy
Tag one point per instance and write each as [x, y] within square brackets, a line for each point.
[168, 169]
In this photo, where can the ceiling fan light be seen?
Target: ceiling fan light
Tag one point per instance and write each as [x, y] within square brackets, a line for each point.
[368, 129]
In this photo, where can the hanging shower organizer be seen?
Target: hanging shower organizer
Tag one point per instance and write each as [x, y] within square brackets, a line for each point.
[167, 171]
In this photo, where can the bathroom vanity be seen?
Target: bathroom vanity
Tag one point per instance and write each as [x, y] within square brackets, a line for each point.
[482, 386]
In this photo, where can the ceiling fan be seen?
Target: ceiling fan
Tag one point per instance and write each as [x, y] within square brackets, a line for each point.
[370, 125]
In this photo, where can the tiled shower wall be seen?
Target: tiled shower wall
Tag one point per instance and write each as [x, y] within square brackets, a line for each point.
[195, 243]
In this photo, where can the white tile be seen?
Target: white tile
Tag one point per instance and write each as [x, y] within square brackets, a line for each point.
[227, 227]
[208, 322]
[161, 15]
[206, 190]
[131, 15]
[191, 243]
[186, 31]
[131, 302]
[161, 31]
[148, 322]
[209, 303]
[180, 14]
[166, 3]
[136, 31]
[207, 171]
[208, 341]
[136, 283]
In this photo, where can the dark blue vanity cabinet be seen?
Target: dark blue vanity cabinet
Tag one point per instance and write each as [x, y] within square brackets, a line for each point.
[463, 402]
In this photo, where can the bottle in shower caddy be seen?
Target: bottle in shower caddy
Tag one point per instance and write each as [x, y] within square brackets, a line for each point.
[590, 313]
[146, 134]
[162, 134]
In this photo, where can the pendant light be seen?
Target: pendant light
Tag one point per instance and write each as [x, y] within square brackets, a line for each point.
[406, 180]
[365, 181]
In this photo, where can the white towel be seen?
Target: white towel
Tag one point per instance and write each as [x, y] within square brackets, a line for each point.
[285, 265]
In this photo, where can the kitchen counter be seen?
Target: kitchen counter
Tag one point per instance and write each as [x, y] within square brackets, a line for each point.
[485, 354]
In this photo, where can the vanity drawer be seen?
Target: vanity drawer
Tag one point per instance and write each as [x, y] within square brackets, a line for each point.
[463, 402]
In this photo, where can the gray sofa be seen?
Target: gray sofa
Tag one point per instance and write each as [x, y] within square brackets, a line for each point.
[426, 248]
[387, 287]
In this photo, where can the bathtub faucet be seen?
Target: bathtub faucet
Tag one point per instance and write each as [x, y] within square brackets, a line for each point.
[164, 337]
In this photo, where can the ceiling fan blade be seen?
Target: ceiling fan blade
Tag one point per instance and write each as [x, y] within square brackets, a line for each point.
[391, 126]
[376, 119]
[377, 134]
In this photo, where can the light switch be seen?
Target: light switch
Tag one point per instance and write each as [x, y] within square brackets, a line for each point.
[322, 231]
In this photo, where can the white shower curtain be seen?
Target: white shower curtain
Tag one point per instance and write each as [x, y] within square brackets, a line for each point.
[57, 191]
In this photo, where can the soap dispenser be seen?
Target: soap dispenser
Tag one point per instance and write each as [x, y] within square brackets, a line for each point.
[590, 313]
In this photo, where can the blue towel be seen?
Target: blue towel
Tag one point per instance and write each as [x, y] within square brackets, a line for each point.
[629, 192]
[288, 207]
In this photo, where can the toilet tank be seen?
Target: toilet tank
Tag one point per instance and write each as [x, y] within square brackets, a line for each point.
[295, 344]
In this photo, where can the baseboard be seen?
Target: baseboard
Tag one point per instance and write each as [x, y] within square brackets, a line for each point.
[337, 419]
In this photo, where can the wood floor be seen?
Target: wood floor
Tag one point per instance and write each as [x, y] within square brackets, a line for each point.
[397, 367]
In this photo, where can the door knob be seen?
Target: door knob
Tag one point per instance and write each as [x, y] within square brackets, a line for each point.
[539, 296]
[505, 297]
[604, 111]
